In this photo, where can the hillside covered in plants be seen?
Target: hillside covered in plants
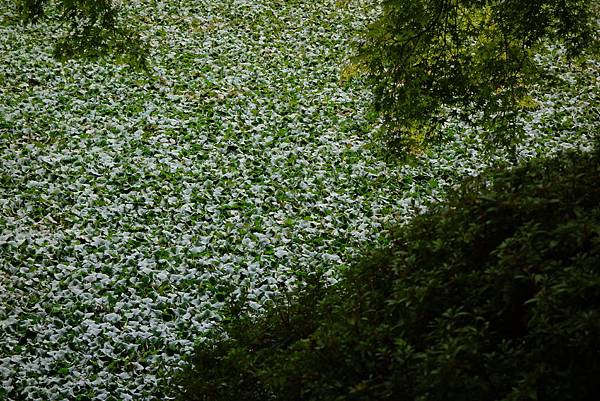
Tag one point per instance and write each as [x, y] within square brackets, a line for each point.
[136, 207]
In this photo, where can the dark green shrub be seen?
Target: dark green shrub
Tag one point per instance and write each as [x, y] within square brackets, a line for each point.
[493, 296]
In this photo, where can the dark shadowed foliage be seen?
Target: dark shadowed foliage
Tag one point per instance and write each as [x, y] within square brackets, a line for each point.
[492, 296]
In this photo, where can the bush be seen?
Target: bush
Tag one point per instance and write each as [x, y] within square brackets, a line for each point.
[492, 296]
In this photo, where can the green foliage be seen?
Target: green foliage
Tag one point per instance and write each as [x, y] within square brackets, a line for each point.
[493, 296]
[31, 10]
[430, 59]
[94, 29]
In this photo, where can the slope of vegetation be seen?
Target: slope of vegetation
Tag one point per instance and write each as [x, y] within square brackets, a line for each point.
[492, 296]
[136, 209]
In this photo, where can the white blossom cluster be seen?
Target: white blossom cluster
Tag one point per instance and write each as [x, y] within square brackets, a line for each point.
[133, 206]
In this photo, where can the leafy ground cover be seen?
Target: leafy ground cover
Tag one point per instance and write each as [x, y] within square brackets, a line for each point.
[134, 206]
[490, 296]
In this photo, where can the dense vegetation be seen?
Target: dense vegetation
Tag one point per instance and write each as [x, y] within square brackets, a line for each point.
[140, 209]
[426, 60]
[429, 60]
[492, 296]
[93, 28]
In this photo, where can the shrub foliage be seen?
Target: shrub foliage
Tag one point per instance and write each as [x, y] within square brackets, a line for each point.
[492, 296]
[426, 59]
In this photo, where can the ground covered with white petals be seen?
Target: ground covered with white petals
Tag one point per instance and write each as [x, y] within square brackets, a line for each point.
[133, 205]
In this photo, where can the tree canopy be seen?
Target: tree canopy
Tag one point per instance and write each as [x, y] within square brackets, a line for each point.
[428, 59]
[94, 28]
